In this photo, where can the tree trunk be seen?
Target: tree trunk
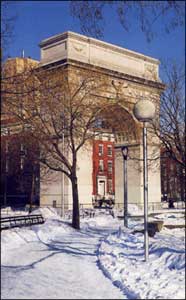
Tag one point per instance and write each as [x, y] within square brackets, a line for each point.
[75, 213]
[182, 184]
[32, 191]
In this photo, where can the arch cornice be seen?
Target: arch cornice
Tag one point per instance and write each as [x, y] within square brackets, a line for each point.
[135, 79]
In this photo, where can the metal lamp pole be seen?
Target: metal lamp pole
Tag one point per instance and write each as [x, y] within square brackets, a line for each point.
[6, 171]
[144, 111]
[62, 175]
[22, 161]
[125, 153]
[145, 191]
[63, 186]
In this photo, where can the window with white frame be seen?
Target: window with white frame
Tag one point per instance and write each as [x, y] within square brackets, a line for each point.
[101, 165]
[110, 167]
[109, 150]
[100, 149]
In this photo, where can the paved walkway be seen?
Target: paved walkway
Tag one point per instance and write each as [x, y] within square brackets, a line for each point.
[64, 267]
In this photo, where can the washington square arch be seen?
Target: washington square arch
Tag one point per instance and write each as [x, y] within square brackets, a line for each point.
[125, 77]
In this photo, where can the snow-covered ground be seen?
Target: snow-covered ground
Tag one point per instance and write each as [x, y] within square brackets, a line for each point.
[103, 260]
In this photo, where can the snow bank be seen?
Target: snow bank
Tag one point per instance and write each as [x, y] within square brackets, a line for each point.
[53, 227]
[13, 239]
[47, 212]
[8, 212]
[172, 218]
[121, 256]
[133, 210]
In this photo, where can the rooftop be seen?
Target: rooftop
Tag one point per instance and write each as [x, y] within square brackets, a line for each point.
[73, 46]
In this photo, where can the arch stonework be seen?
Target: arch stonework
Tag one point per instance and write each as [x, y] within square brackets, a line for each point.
[135, 156]
[130, 76]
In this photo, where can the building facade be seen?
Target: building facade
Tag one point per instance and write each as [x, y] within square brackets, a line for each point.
[130, 76]
[20, 182]
[172, 179]
[103, 169]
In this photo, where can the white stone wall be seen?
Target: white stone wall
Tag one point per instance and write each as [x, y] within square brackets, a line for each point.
[51, 189]
[134, 178]
[154, 182]
[77, 47]
[54, 52]
[84, 174]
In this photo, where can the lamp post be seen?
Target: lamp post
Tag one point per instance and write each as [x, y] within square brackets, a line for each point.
[144, 111]
[63, 186]
[6, 170]
[22, 162]
[124, 150]
[62, 175]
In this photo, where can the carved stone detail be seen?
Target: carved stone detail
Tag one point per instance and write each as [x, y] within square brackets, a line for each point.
[79, 48]
[150, 71]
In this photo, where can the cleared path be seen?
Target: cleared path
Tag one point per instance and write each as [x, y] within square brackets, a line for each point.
[62, 267]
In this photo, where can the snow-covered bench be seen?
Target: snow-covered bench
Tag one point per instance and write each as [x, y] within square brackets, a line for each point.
[19, 221]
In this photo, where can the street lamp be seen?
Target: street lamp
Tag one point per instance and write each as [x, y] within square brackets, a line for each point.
[124, 150]
[22, 162]
[144, 111]
[63, 177]
[6, 169]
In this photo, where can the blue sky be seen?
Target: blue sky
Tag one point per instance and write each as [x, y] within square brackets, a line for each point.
[37, 20]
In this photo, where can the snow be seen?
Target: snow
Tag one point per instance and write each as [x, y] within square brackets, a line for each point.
[122, 257]
[103, 260]
[8, 212]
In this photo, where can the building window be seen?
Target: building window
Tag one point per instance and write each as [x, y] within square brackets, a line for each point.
[110, 167]
[98, 123]
[109, 149]
[100, 149]
[118, 138]
[101, 165]
[110, 186]
[123, 137]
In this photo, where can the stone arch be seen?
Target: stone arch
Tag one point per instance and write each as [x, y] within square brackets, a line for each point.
[120, 121]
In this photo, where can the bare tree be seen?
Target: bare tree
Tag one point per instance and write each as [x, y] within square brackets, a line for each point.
[171, 130]
[92, 15]
[172, 113]
[62, 105]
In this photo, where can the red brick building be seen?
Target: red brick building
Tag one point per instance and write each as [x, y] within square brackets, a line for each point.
[172, 178]
[103, 172]
[19, 173]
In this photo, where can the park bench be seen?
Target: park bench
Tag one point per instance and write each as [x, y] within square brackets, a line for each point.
[20, 221]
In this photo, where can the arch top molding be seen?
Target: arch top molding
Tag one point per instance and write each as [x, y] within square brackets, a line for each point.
[70, 47]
